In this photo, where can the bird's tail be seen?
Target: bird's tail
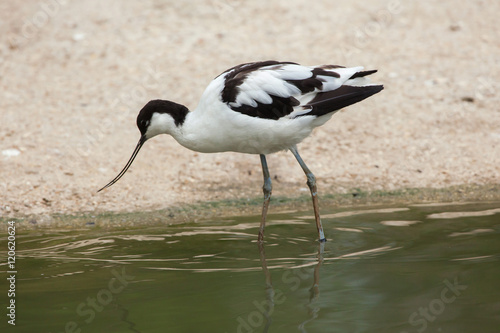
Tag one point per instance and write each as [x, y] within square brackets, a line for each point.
[354, 90]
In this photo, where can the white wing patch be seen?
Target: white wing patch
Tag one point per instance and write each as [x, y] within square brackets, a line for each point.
[260, 85]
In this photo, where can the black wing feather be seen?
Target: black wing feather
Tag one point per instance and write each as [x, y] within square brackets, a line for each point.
[237, 75]
[330, 101]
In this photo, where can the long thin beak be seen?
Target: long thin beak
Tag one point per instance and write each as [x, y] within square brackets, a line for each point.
[129, 163]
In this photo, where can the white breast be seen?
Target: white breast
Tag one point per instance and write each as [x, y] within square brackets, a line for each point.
[218, 128]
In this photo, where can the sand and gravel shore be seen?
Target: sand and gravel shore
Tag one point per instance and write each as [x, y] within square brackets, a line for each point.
[74, 74]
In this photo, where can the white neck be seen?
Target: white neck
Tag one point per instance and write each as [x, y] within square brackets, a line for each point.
[195, 134]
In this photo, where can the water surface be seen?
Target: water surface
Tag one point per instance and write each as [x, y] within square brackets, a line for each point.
[430, 268]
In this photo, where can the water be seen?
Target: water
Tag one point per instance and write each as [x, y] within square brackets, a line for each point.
[396, 269]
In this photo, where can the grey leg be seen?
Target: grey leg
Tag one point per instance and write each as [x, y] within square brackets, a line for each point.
[267, 195]
[311, 182]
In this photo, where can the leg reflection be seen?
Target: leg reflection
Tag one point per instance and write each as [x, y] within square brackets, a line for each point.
[312, 307]
[269, 287]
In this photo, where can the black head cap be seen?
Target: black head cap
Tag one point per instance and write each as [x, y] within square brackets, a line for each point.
[177, 111]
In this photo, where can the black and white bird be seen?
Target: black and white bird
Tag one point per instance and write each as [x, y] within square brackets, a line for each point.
[258, 108]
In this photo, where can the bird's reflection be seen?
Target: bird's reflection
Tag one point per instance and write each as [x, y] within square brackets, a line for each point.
[269, 287]
[313, 309]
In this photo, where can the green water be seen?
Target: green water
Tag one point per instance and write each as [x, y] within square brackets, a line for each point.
[396, 269]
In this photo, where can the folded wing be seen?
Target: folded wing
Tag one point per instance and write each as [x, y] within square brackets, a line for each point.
[273, 90]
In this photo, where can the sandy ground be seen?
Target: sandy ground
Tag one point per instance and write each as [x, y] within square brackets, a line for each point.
[74, 74]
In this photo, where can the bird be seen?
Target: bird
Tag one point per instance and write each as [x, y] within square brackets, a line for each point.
[258, 108]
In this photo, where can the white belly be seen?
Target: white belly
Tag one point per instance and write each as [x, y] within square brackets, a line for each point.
[231, 131]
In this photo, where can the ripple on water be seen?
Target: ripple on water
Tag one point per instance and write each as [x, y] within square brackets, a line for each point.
[377, 268]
